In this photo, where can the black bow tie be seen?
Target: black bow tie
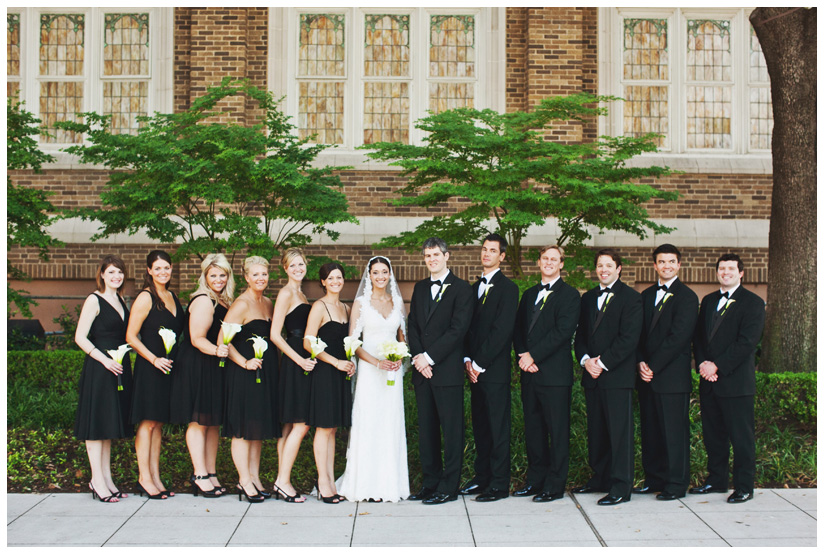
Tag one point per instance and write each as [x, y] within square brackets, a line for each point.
[545, 287]
[435, 282]
[662, 287]
[603, 291]
[726, 295]
[482, 279]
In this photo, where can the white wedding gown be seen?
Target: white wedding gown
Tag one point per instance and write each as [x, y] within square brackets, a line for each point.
[377, 451]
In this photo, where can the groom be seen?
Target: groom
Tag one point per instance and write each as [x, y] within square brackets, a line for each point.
[440, 312]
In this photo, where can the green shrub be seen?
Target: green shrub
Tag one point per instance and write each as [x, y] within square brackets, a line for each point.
[43, 455]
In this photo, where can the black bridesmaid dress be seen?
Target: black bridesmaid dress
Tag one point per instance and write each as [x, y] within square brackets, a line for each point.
[102, 410]
[152, 390]
[197, 378]
[252, 407]
[330, 397]
[295, 384]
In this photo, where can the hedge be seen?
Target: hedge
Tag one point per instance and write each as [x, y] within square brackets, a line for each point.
[43, 455]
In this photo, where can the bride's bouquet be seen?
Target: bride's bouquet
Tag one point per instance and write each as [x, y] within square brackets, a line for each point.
[393, 351]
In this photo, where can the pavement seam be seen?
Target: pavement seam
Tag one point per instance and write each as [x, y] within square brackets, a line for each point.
[469, 520]
[29, 509]
[119, 528]
[240, 520]
[791, 503]
[354, 518]
[587, 520]
[685, 505]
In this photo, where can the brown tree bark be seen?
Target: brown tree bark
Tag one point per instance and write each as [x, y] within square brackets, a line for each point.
[788, 39]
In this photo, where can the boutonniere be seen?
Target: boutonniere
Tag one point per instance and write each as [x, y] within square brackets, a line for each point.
[484, 297]
[544, 300]
[727, 304]
[664, 300]
[441, 291]
[607, 301]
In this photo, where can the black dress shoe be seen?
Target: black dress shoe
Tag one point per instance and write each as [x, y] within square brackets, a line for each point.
[614, 499]
[547, 496]
[471, 487]
[423, 493]
[587, 489]
[527, 491]
[646, 489]
[707, 488]
[668, 496]
[739, 497]
[493, 494]
[439, 497]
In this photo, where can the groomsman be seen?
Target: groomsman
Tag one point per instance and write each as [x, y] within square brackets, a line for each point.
[669, 309]
[724, 348]
[606, 340]
[487, 363]
[440, 312]
[545, 324]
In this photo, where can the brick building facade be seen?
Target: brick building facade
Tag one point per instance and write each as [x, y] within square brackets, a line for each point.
[518, 57]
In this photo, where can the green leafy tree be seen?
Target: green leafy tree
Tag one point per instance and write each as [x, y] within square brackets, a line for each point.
[515, 178]
[212, 186]
[28, 209]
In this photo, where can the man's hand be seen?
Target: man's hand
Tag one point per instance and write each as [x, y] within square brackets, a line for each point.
[709, 371]
[423, 367]
[644, 371]
[591, 365]
[526, 363]
[471, 373]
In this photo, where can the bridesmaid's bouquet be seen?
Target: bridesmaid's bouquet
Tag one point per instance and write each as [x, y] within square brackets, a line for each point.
[316, 347]
[117, 355]
[168, 337]
[260, 346]
[229, 331]
[351, 344]
[393, 351]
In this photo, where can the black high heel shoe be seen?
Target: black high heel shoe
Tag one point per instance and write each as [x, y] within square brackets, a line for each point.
[264, 494]
[281, 494]
[196, 489]
[249, 498]
[109, 499]
[142, 490]
[221, 488]
[333, 499]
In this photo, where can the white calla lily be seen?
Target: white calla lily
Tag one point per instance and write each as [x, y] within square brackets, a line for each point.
[351, 344]
[169, 338]
[118, 354]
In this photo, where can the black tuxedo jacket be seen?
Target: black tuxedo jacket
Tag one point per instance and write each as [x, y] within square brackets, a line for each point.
[439, 328]
[613, 335]
[548, 335]
[732, 346]
[490, 335]
[666, 335]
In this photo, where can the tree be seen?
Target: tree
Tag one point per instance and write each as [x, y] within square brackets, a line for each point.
[788, 39]
[515, 178]
[212, 186]
[27, 209]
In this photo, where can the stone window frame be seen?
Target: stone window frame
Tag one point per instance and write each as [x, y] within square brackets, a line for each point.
[740, 158]
[283, 46]
[161, 64]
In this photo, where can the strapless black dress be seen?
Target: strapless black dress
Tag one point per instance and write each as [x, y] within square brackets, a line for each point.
[295, 385]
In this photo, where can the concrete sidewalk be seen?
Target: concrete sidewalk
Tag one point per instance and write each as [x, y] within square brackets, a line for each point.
[775, 517]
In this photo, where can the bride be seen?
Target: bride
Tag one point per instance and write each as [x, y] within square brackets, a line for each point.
[377, 452]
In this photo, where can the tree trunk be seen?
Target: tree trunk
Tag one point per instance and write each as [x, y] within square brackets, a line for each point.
[788, 39]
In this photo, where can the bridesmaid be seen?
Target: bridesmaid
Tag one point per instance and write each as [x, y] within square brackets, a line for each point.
[197, 383]
[291, 312]
[103, 408]
[251, 406]
[330, 402]
[154, 308]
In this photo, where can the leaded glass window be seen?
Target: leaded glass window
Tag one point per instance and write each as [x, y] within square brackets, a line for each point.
[646, 76]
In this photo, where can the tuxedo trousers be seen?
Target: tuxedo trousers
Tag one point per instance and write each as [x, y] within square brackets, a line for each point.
[665, 434]
[440, 410]
[547, 416]
[729, 422]
[490, 405]
[610, 439]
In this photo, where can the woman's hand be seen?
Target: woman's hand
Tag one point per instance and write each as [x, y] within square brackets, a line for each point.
[222, 351]
[112, 366]
[308, 364]
[163, 364]
[253, 363]
[389, 365]
[346, 366]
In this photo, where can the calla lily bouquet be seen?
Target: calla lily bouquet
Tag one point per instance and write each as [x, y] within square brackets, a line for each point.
[316, 347]
[117, 355]
[393, 351]
[229, 331]
[351, 344]
[169, 337]
[260, 346]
